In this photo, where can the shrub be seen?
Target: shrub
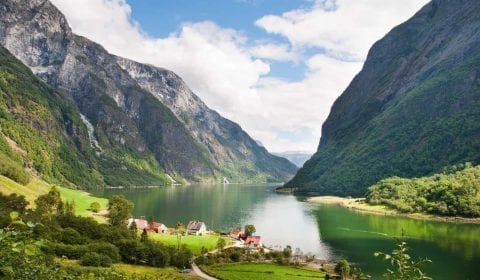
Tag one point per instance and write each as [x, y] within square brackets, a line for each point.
[94, 259]
[95, 207]
[71, 236]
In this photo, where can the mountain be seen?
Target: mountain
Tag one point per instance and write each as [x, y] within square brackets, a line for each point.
[234, 153]
[413, 109]
[296, 157]
[41, 130]
[138, 136]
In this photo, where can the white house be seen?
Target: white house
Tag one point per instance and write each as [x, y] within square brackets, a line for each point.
[196, 228]
[140, 223]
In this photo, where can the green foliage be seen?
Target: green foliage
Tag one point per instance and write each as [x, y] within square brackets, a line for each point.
[95, 207]
[221, 243]
[403, 267]
[48, 205]
[450, 193]
[416, 133]
[249, 230]
[119, 210]
[46, 127]
[94, 259]
[342, 268]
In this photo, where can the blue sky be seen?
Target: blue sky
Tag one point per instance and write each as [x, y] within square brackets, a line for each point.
[160, 18]
[273, 66]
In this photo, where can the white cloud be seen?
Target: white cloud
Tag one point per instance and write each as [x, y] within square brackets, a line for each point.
[230, 72]
[274, 51]
[342, 27]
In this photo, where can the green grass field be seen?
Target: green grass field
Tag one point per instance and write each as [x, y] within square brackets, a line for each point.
[193, 242]
[37, 187]
[139, 271]
[260, 271]
[152, 272]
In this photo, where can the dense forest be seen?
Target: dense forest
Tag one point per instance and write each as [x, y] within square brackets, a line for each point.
[34, 241]
[455, 192]
[413, 109]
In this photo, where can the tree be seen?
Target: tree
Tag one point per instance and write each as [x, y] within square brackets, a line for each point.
[342, 268]
[179, 231]
[404, 267]
[95, 207]
[249, 230]
[287, 251]
[119, 209]
[221, 243]
[69, 208]
[144, 236]
[49, 204]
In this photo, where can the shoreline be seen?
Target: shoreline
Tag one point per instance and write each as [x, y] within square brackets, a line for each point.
[359, 205]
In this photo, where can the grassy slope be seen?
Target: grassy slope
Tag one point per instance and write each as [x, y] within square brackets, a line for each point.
[139, 271]
[37, 187]
[194, 243]
[260, 271]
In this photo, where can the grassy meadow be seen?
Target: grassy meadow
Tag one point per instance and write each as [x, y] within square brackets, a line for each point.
[193, 242]
[37, 187]
[261, 271]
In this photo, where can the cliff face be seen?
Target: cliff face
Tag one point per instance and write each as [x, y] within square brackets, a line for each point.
[413, 109]
[234, 153]
[134, 128]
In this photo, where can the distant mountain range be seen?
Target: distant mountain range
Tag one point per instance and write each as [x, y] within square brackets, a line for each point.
[298, 158]
[106, 120]
[412, 110]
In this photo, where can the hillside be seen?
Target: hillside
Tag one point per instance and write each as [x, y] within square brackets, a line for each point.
[413, 109]
[451, 193]
[136, 138]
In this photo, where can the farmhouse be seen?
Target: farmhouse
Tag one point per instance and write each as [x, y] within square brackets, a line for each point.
[158, 227]
[140, 223]
[196, 228]
[253, 241]
[236, 233]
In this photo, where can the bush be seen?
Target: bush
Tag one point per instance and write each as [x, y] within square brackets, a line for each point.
[235, 256]
[95, 207]
[71, 236]
[94, 259]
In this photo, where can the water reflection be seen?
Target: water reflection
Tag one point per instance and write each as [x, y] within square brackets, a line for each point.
[280, 219]
[328, 231]
[453, 248]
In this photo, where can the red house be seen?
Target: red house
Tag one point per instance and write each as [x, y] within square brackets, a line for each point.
[253, 241]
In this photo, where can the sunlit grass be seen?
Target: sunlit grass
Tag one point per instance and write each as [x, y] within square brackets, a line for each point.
[261, 271]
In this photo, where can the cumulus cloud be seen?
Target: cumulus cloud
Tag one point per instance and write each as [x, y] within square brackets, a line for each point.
[230, 71]
[343, 27]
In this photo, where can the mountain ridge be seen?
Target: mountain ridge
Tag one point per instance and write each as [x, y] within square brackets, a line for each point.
[133, 127]
[410, 111]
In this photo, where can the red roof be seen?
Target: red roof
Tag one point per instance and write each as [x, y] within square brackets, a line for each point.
[253, 240]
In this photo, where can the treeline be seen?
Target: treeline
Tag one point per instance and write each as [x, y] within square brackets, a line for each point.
[29, 249]
[455, 192]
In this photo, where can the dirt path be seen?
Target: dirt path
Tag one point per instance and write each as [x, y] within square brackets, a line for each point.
[201, 274]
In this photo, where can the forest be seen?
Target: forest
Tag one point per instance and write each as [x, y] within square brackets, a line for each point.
[454, 192]
[34, 242]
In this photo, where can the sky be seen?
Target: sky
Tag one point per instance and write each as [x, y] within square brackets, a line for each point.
[273, 66]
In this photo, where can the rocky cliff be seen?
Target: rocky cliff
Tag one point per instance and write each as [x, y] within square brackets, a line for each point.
[133, 128]
[413, 109]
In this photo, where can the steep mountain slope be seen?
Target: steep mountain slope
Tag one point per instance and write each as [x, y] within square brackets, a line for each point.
[134, 134]
[235, 154]
[413, 109]
[41, 130]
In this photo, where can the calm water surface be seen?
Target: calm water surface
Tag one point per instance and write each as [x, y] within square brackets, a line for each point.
[328, 231]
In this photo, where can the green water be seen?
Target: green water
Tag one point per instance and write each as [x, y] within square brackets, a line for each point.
[328, 231]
